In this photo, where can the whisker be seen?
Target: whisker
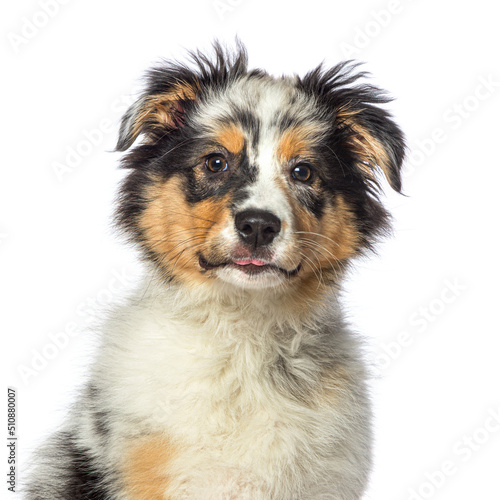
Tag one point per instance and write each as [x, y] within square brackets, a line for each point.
[185, 141]
[338, 159]
[317, 234]
[317, 250]
[321, 280]
[168, 238]
[187, 240]
[190, 229]
[194, 217]
[320, 248]
[192, 247]
[315, 269]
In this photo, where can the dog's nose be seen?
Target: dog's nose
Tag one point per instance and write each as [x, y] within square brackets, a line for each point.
[257, 227]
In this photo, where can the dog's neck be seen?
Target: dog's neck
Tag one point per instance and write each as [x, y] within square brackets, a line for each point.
[295, 307]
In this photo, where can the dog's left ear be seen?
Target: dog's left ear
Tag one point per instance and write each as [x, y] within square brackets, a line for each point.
[374, 139]
[361, 126]
[158, 111]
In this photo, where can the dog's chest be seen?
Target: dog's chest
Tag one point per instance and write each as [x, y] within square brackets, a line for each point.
[238, 390]
[235, 404]
[237, 420]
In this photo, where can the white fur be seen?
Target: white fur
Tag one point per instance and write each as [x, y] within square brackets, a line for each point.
[195, 366]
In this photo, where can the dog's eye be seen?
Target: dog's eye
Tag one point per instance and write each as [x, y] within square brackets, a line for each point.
[302, 172]
[216, 163]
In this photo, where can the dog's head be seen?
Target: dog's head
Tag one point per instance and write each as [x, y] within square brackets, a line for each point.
[253, 180]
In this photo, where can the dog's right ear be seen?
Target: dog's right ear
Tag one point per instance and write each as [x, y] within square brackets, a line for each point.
[172, 89]
[159, 110]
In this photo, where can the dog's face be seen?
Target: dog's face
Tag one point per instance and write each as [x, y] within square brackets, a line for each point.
[254, 180]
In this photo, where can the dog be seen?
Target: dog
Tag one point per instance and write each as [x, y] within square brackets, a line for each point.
[231, 373]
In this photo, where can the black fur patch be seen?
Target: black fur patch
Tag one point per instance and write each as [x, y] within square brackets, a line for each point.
[83, 480]
[250, 122]
[75, 474]
[239, 176]
[101, 423]
[100, 416]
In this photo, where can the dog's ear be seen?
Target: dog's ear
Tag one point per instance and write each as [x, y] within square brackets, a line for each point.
[157, 111]
[173, 89]
[360, 124]
[374, 139]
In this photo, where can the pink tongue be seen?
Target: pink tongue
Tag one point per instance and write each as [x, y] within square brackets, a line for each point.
[255, 262]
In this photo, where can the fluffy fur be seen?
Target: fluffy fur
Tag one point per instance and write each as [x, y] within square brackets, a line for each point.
[230, 374]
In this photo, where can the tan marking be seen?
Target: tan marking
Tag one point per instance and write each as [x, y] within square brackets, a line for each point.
[327, 243]
[304, 294]
[232, 138]
[146, 469]
[345, 113]
[369, 149]
[340, 226]
[177, 231]
[297, 141]
[160, 109]
[291, 145]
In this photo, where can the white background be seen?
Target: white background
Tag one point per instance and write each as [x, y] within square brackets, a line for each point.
[428, 303]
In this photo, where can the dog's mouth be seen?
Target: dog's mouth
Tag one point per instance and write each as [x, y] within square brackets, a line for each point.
[250, 266]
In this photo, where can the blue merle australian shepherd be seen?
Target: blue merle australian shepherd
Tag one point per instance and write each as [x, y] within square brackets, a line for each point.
[230, 373]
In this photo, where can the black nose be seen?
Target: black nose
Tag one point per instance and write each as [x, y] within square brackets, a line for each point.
[257, 227]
